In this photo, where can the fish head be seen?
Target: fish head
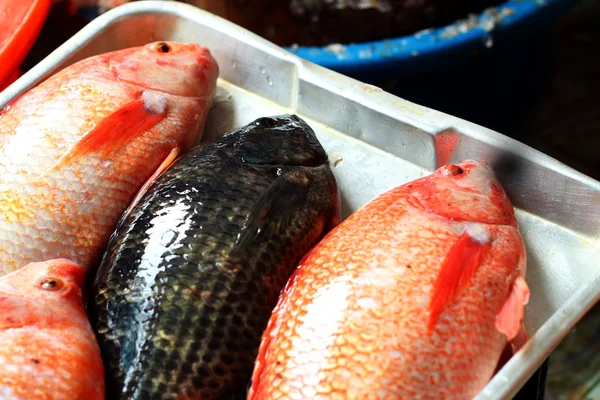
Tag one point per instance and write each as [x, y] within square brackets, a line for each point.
[467, 191]
[285, 140]
[184, 69]
[46, 281]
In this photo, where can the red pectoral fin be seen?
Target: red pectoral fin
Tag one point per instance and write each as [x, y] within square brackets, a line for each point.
[161, 168]
[509, 320]
[121, 127]
[458, 268]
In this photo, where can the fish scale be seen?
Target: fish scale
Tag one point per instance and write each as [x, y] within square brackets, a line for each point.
[359, 319]
[47, 347]
[200, 289]
[50, 209]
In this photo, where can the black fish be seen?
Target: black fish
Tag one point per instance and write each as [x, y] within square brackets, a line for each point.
[192, 273]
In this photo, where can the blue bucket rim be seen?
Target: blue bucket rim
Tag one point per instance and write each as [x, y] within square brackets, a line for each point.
[473, 29]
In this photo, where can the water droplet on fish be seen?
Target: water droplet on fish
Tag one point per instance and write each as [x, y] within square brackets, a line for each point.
[269, 81]
[488, 41]
[106, 163]
[233, 64]
[262, 70]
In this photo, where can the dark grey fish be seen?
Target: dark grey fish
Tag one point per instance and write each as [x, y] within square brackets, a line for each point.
[192, 273]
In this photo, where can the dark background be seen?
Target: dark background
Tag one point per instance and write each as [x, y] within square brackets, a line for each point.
[542, 89]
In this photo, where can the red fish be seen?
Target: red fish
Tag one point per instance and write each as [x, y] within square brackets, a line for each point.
[47, 347]
[413, 296]
[77, 149]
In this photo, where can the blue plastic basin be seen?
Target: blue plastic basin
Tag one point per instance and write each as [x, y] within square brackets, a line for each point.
[439, 47]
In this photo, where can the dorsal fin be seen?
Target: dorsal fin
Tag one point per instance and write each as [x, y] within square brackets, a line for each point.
[458, 268]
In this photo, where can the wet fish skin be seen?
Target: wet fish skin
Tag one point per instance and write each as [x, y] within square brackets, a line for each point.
[75, 149]
[47, 346]
[192, 274]
[413, 296]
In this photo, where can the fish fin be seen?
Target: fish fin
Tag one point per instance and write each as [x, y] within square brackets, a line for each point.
[512, 347]
[120, 127]
[519, 340]
[458, 268]
[510, 319]
[274, 210]
[175, 152]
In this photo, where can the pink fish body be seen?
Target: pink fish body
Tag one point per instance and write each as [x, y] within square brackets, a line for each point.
[47, 347]
[414, 296]
[75, 150]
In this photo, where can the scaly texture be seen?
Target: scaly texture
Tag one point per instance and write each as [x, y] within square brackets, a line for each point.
[70, 211]
[47, 347]
[352, 322]
[192, 274]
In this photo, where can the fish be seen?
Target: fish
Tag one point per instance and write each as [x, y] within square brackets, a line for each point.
[191, 275]
[47, 347]
[77, 149]
[416, 295]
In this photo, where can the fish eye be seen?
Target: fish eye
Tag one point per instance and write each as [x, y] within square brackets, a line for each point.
[163, 47]
[456, 170]
[51, 284]
[453, 170]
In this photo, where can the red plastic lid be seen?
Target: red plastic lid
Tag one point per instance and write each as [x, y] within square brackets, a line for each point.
[20, 24]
